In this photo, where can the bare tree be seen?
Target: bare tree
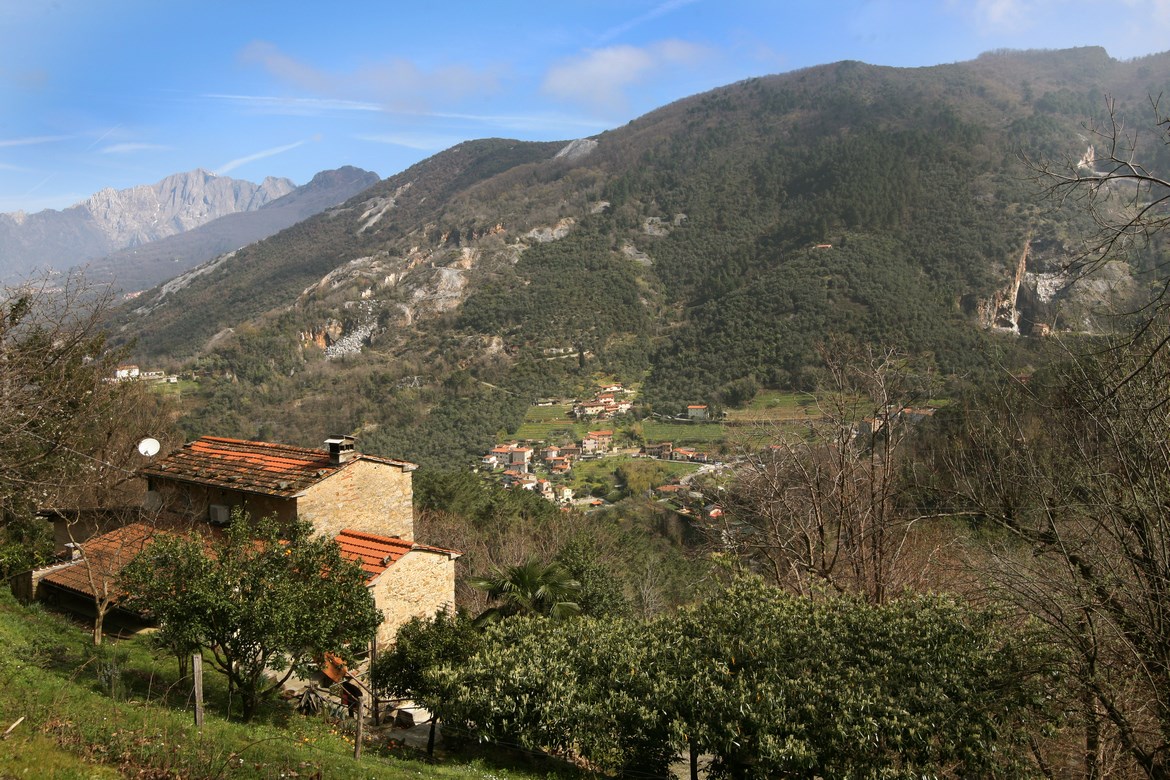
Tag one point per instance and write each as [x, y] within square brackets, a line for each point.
[820, 509]
[1127, 201]
[1075, 474]
[67, 431]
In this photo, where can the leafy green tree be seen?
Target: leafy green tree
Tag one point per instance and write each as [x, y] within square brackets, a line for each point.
[600, 592]
[530, 588]
[423, 648]
[262, 599]
[588, 687]
[775, 685]
[769, 684]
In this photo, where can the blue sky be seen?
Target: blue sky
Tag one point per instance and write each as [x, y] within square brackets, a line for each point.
[113, 93]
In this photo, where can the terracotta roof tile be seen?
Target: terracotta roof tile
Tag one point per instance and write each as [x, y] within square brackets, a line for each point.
[105, 557]
[377, 553]
[374, 553]
[251, 466]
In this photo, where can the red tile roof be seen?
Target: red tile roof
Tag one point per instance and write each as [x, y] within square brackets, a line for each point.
[250, 466]
[104, 558]
[377, 553]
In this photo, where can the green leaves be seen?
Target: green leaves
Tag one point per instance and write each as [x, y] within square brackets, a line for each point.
[262, 598]
[769, 684]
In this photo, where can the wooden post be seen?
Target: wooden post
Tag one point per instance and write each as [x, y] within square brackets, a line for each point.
[361, 717]
[373, 660]
[197, 669]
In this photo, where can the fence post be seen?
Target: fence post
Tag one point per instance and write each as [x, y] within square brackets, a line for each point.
[197, 669]
[361, 717]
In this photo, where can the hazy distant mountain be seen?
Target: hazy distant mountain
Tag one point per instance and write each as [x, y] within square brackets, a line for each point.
[141, 266]
[115, 219]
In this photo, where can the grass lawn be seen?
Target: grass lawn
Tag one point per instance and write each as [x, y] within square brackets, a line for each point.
[777, 406]
[539, 421]
[685, 434]
[118, 711]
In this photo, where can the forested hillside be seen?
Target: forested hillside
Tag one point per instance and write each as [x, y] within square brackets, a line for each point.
[706, 247]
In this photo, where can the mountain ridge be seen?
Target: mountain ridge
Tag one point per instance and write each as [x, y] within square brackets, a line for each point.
[710, 245]
[113, 219]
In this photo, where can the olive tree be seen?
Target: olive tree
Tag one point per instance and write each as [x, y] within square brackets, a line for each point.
[264, 601]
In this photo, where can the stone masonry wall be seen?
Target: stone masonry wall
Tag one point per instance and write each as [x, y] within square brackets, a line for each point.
[193, 500]
[420, 583]
[364, 495]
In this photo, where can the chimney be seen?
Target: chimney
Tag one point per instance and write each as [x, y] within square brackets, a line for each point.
[340, 450]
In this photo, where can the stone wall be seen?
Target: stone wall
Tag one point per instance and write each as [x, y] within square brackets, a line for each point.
[419, 584]
[193, 500]
[366, 496]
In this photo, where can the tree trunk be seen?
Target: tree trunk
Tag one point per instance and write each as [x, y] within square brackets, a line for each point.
[98, 620]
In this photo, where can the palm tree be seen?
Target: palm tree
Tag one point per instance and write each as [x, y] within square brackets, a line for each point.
[532, 588]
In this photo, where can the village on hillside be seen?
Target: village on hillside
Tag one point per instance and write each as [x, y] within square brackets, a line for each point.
[546, 467]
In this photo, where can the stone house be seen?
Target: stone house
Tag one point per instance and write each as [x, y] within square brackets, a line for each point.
[334, 488]
[406, 579]
[365, 503]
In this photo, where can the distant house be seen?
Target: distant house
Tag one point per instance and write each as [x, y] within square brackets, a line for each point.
[521, 457]
[697, 412]
[604, 439]
[661, 450]
[123, 373]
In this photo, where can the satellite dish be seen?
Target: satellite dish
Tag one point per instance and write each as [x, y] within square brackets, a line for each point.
[149, 447]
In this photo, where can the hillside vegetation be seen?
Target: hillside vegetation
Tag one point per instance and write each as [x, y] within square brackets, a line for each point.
[119, 711]
[710, 246]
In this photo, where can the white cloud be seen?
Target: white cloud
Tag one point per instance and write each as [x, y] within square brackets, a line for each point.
[33, 140]
[660, 10]
[130, 148]
[1004, 15]
[423, 142]
[601, 77]
[232, 165]
[294, 106]
[394, 83]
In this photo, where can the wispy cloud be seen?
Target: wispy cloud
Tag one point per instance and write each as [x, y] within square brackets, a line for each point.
[421, 141]
[600, 78]
[660, 10]
[34, 140]
[526, 122]
[1003, 15]
[394, 83]
[130, 148]
[232, 165]
[295, 106]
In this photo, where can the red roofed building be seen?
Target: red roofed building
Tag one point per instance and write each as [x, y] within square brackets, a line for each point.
[407, 579]
[365, 503]
[334, 488]
[94, 572]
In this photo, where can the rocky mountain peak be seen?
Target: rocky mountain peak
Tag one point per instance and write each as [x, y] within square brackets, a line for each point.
[176, 204]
